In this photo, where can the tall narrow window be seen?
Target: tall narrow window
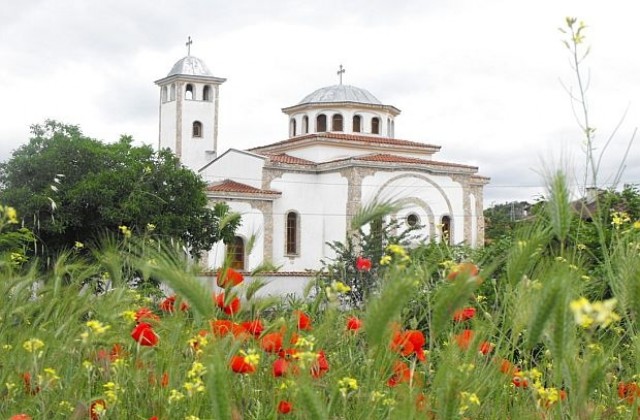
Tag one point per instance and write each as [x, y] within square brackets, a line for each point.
[393, 129]
[336, 122]
[164, 94]
[388, 127]
[321, 123]
[188, 93]
[293, 127]
[305, 125]
[206, 93]
[197, 129]
[446, 229]
[375, 125]
[235, 253]
[172, 92]
[357, 120]
[292, 233]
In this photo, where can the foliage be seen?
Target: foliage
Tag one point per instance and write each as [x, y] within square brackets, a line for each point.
[70, 188]
[374, 232]
[501, 219]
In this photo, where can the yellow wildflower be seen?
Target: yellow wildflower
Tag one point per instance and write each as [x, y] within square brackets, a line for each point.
[596, 314]
[125, 231]
[175, 395]
[32, 345]
[78, 245]
[11, 214]
[97, 327]
[347, 384]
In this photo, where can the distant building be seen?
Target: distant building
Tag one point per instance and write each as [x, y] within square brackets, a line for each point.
[299, 193]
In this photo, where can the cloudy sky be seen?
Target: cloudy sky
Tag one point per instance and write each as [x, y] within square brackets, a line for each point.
[483, 79]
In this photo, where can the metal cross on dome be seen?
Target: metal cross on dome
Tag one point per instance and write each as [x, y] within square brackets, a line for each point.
[341, 72]
[188, 44]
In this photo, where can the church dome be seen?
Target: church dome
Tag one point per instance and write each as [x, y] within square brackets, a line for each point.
[190, 66]
[340, 93]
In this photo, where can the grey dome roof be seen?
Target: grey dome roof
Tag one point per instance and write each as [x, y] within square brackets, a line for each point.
[341, 93]
[191, 66]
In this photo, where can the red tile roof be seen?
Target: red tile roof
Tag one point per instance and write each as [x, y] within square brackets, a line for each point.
[374, 140]
[403, 159]
[285, 158]
[230, 186]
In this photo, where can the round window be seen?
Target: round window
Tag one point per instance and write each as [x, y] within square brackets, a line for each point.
[413, 219]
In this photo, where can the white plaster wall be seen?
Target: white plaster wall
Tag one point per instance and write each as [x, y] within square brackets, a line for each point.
[443, 195]
[474, 221]
[320, 202]
[325, 153]
[252, 224]
[238, 166]
[168, 125]
[194, 149]
[279, 286]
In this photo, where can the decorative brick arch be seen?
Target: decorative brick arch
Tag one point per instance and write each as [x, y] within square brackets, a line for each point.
[432, 183]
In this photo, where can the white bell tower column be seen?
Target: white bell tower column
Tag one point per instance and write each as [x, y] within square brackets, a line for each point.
[189, 97]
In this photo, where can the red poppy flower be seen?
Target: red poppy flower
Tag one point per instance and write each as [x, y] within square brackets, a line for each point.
[146, 314]
[222, 327]
[507, 367]
[230, 278]
[401, 373]
[117, 352]
[20, 416]
[154, 418]
[93, 409]
[230, 308]
[409, 342]
[254, 327]
[28, 387]
[363, 264]
[164, 379]
[304, 321]
[465, 269]
[486, 347]
[464, 314]
[144, 335]
[353, 323]
[167, 304]
[520, 382]
[239, 365]
[272, 342]
[280, 367]
[321, 366]
[629, 391]
[288, 354]
[284, 407]
[464, 339]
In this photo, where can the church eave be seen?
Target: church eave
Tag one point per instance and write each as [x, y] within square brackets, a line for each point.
[227, 195]
[440, 169]
[190, 78]
[342, 104]
[363, 141]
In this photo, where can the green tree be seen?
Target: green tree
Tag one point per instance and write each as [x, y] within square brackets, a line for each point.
[68, 187]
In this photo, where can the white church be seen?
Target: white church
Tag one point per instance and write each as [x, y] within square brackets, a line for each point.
[298, 193]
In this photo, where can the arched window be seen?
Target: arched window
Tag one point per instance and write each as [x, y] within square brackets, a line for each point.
[375, 125]
[293, 127]
[206, 93]
[197, 129]
[388, 127]
[292, 228]
[336, 122]
[163, 94]
[235, 253]
[321, 123]
[305, 125]
[393, 129]
[189, 92]
[446, 229]
[357, 121]
[172, 92]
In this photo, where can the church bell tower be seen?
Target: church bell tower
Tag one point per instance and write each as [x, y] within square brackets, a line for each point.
[189, 111]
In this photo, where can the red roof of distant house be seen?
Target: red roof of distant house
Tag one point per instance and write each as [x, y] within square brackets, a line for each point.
[229, 186]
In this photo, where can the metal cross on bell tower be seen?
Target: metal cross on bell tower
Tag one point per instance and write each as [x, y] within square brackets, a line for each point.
[188, 44]
[341, 72]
